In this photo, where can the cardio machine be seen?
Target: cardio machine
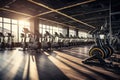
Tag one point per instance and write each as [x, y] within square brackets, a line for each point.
[2, 41]
[100, 50]
[116, 42]
[10, 43]
[23, 39]
[34, 43]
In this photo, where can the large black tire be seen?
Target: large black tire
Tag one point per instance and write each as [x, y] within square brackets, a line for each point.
[97, 51]
[110, 51]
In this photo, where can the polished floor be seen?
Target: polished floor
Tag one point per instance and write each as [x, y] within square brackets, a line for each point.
[64, 64]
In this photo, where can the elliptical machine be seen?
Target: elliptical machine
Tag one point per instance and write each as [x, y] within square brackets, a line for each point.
[99, 51]
[34, 43]
[106, 42]
[116, 42]
[2, 41]
[23, 39]
[10, 43]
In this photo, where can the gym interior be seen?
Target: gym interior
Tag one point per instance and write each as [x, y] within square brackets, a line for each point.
[59, 39]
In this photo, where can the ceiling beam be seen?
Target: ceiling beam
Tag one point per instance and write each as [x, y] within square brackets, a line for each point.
[20, 13]
[69, 21]
[90, 12]
[11, 2]
[61, 13]
[62, 24]
[96, 22]
[89, 19]
[115, 13]
[6, 3]
[95, 18]
[77, 4]
[16, 12]
[56, 22]
[115, 21]
[66, 7]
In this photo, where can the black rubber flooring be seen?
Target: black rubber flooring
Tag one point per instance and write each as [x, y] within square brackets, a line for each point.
[64, 64]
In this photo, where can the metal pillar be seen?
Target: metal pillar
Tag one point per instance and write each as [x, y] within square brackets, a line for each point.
[110, 27]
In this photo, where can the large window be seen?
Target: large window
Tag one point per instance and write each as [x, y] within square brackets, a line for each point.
[7, 28]
[6, 20]
[13, 26]
[23, 24]
[14, 21]
[52, 29]
[83, 34]
[44, 29]
[15, 32]
[72, 32]
[6, 25]
[0, 24]
[0, 27]
[55, 29]
[0, 19]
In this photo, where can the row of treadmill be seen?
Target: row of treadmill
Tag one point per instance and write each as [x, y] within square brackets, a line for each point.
[39, 42]
[101, 50]
[49, 42]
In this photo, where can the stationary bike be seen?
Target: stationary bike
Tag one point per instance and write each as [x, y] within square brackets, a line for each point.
[99, 51]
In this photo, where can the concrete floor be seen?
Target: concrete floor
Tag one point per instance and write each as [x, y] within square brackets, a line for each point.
[64, 64]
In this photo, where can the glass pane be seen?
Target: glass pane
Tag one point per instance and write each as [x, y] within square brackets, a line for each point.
[20, 31]
[43, 31]
[40, 30]
[0, 19]
[50, 31]
[15, 32]
[40, 25]
[0, 24]
[6, 20]
[47, 30]
[7, 28]
[47, 26]
[21, 23]
[51, 27]
[64, 31]
[44, 26]
[27, 24]
[83, 34]
[14, 21]
[0, 27]
[55, 29]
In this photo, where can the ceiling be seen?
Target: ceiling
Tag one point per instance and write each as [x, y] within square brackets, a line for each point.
[83, 14]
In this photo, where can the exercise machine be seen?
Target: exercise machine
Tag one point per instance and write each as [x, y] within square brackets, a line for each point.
[2, 41]
[23, 39]
[34, 43]
[10, 43]
[99, 51]
[116, 42]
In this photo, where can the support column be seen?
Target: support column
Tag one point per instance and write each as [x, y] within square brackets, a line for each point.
[67, 32]
[34, 25]
[77, 32]
[110, 27]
